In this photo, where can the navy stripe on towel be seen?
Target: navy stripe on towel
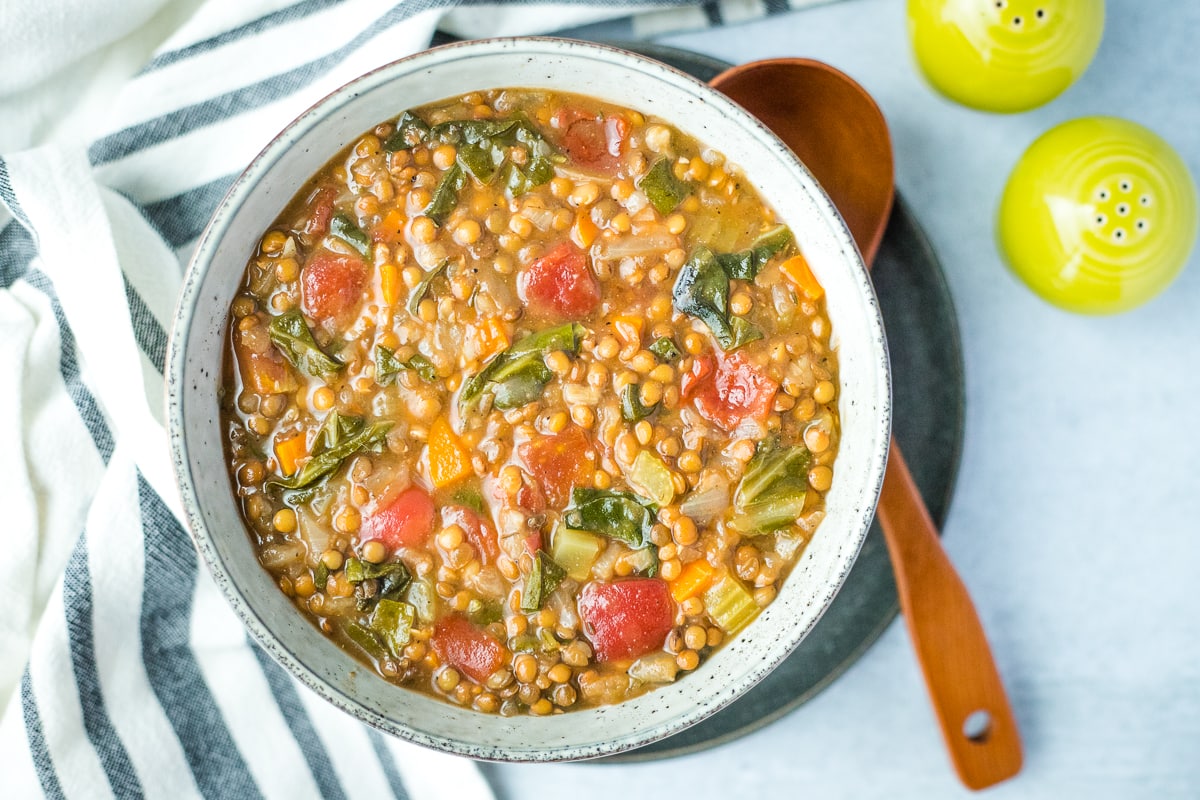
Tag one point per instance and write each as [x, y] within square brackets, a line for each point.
[170, 582]
[43, 764]
[180, 219]
[78, 609]
[151, 337]
[301, 726]
[389, 763]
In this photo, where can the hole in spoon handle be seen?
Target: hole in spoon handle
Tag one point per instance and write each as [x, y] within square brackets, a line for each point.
[964, 686]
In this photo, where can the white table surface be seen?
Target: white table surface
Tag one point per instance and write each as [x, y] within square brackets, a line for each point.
[1075, 519]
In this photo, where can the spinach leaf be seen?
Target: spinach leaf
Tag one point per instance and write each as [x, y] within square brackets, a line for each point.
[392, 576]
[618, 515]
[746, 264]
[445, 196]
[387, 366]
[291, 334]
[344, 228]
[543, 579]
[321, 576]
[411, 130]
[664, 347]
[702, 290]
[471, 497]
[662, 188]
[771, 493]
[340, 438]
[632, 409]
[519, 374]
[422, 288]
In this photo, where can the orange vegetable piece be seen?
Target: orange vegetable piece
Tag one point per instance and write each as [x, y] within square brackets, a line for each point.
[493, 337]
[693, 580]
[389, 228]
[449, 462]
[796, 270]
[389, 283]
[584, 231]
[289, 451]
[628, 328]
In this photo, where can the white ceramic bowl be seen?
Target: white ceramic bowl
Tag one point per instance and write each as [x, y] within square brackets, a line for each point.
[194, 371]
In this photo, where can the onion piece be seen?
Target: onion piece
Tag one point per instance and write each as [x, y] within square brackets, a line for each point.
[708, 500]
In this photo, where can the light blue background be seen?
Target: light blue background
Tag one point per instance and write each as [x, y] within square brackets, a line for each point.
[1075, 523]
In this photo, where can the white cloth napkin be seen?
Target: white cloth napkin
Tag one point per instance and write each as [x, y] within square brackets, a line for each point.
[122, 670]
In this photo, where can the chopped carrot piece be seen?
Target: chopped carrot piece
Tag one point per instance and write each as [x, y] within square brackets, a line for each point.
[585, 231]
[798, 272]
[389, 280]
[448, 459]
[493, 337]
[693, 580]
[289, 451]
[628, 328]
[390, 228]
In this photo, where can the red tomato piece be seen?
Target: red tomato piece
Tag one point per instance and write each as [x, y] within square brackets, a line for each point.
[466, 648]
[331, 284]
[531, 498]
[628, 618]
[562, 282]
[320, 206]
[477, 531]
[559, 463]
[593, 142]
[737, 391]
[533, 543]
[702, 367]
[406, 521]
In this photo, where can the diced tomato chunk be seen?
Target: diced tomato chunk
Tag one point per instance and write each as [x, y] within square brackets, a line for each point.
[466, 648]
[593, 142]
[531, 498]
[562, 282]
[736, 391]
[628, 618]
[559, 463]
[331, 284]
[320, 206]
[406, 521]
[702, 367]
[478, 532]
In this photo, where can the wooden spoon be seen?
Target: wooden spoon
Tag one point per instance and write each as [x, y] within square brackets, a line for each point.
[838, 131]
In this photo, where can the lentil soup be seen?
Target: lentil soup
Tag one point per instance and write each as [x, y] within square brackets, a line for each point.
[529, 401]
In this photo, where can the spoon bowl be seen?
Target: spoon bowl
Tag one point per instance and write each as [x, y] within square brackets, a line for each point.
[835, 127]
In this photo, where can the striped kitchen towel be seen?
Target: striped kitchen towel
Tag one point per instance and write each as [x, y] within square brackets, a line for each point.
[122, 671]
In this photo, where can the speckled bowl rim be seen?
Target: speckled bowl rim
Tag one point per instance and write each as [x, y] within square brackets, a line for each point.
[185, 313]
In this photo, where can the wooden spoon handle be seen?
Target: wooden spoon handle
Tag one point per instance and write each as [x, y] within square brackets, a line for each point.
[950, 644]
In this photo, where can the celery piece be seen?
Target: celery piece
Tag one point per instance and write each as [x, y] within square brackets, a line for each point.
[644, 562]
[543, 579]
[771, 494]
[484, 612]
[652, 477]
[729, 604]
[393, 621]
[366, 640]
[575, 551]
[422, 597]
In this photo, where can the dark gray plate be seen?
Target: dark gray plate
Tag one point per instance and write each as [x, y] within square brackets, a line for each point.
[927, 377]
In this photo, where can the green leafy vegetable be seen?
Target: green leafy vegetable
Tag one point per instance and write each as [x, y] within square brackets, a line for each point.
[664, 347]
[445, 196]
[543, 579]
[411, 130]
[485, 612]
[617, 515]
[392, 576]
[291, 334]
[387, 366]
[422, 288]
[632, 409]
[662, 188]
[702, 290]
[484, 145]
[746, 264]
[771, 493]
[340, 437]
[519, 374]
[321, 576]
[344, 228]
[393, 621]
